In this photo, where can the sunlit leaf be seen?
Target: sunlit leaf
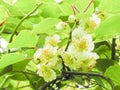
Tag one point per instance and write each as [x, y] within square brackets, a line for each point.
[3, 14]
[113, 73]
[109, 28]
[46, 26]
[24, 39]
[10, 59]
[10, 2]
[112, 6]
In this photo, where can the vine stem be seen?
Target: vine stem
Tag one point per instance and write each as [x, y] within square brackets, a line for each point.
[88, 6]
[70, 37]
[26, 16]
[92, 74]
[48, 84]
[4, 81]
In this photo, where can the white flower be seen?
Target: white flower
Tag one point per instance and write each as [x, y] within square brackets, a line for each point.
[61, 25]
[78, 33]
[91, 24]
[46, 72]
[52, 40]
[58, 1]
[46, 52]
[84, 44]
[3, 45]
[90, 62]
[96, 19]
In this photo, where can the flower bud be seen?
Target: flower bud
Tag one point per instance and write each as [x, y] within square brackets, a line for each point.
[61, 25]
[71, 18]
[58, 1]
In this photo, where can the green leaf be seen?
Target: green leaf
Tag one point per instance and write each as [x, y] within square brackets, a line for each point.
[103, 64]
[50, 10]
[3, 13]
[109, 28]
[24, 39]
[112, 6]
[46, 26]
[96, 3]
[11, 23]
[19, 66]
[10, 2]
[25, 6]
[113, 73]
[10, 59]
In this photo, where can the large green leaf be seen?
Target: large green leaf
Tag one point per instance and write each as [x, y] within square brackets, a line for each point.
[10, 2]
[24, 39]
[46, 26]
[112, 6]
[50, 10]
[10, 59]
[113, 73]
[109, 28]
[25, 6]
[3, 13]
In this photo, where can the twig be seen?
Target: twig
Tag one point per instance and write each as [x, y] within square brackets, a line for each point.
[2, 29]
[63, 64]
[92, 74]
[73, 9]
[88, 6]
[70, 36]
[26, 16]
[113, 56]
[3, 82]
[48, 84]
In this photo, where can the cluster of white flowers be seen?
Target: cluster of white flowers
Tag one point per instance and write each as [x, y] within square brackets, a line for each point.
[79, 55]
[48, 57]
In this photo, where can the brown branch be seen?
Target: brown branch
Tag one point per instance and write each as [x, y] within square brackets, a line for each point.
[91, 1]
[48, 84]
[92, 74]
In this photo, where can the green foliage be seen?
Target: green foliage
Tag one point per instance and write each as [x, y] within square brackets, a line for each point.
[42, 49]
[109, 28]
[110, 7]
[46, 26]
[111, 73]
[24, 40]
[10, 59]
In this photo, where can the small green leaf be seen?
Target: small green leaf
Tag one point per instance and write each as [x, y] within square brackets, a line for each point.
[46, 26]
[24, 39]
[3, 13]
[10, 59]
[113, 73]
[109, 28]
